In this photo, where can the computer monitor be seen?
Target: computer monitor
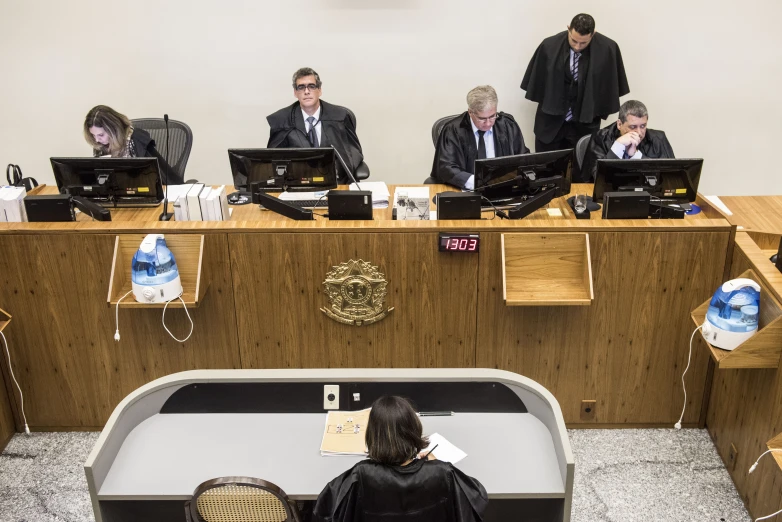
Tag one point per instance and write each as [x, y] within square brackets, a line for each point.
[668, 179]
[275, 170]
[111, 182]
[496, 176]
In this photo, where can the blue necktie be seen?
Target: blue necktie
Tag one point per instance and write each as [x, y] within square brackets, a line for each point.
[574, 72]
[312, 134]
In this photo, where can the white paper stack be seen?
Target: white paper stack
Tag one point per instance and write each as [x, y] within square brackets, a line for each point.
[200, 203]
[12, 204]
[379, 189]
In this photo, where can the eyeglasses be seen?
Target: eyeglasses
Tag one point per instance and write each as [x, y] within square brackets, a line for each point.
[308, 86]
[486, 120]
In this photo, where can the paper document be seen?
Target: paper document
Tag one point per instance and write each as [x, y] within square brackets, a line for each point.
[345, 433]
[717, 202]
[380, 193]
[174, 191]
[445, 451]
[301, 196]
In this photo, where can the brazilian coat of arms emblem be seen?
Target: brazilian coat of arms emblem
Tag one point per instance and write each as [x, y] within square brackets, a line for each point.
[357, 293]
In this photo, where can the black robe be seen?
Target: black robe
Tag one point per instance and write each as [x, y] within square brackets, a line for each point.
[654, 145]
[456, 151]
[600, 87]
[422, 491]
[287, 130]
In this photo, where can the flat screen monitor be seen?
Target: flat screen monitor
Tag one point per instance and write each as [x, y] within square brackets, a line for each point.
[671, 179]
[493, 174]
[284, 169]
[110, 181]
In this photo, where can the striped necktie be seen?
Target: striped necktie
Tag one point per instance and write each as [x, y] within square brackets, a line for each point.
[574, 72]
[312, 134]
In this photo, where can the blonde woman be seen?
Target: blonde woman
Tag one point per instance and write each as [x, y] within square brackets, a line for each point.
[111, 133]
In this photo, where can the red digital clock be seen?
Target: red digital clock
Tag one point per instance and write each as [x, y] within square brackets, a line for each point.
[459, 242]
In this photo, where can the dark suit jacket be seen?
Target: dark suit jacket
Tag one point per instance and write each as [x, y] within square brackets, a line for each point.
[456, 151]
[654, 145]
[337, 129]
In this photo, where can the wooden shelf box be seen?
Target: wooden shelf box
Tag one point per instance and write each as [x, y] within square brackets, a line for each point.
[763, 349]
[776, 444]
[546, 269]
[188, 250]
[5, 318]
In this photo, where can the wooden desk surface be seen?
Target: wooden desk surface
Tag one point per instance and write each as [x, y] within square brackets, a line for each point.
[757, 213]
[251, 217]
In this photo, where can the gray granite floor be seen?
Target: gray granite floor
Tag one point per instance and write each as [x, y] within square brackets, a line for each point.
[621, 476]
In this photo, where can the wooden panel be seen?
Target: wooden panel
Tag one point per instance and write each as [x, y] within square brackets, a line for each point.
[745, 410]
[278, 283]
[628, 349]
[7, 427]
[70, 368]
[776, 445]
[546, 270]
[763, 213]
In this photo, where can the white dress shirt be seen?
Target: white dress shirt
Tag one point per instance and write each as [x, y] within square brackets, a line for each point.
[619, 149]
[317, 123]
[488, 139]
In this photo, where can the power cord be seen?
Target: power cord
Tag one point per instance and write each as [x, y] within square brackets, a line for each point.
[678, 425]
[755, 465]
[497, 212]
[116, 316]
[316, 206]
[10, 369]
[188, 318]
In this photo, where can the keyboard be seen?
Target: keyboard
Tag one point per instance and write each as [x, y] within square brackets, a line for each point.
[310, 203]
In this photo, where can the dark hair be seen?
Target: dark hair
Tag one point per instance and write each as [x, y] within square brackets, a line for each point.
[306, 71]
[394, 432]
[583, 24]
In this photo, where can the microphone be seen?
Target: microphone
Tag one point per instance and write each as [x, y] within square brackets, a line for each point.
[344, 165]
[165, 216]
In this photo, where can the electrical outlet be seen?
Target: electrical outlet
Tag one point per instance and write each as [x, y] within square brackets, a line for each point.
[733, 456]
[588, 410]
[331, 396]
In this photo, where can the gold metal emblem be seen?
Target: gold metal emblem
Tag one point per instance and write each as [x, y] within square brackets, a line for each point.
[357, 292]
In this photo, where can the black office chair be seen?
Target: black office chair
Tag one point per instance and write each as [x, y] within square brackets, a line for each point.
[240, 499]
[362, 171]
[181, 138]
[437, 128]
[581, 149]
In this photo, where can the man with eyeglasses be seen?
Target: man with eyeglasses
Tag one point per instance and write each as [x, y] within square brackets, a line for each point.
[628, 138]
[311, 122]
[577, 78]
[479, 133]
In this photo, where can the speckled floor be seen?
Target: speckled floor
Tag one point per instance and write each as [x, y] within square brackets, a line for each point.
[621, 476]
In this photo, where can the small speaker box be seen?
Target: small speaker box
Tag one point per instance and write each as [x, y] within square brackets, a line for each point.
[350, 204]
[52, 207]
[626, 205]
[458, 205]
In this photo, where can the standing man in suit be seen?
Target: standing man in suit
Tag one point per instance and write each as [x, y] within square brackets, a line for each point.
[628, 138]
[479, 133]
[311, 122]
[577, 78]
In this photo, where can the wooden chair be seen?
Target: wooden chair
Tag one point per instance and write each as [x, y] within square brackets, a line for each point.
[240, 499]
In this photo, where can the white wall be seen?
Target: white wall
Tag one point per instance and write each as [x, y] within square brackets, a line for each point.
[706, 70]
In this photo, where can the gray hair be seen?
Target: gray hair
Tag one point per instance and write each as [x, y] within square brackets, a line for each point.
[481, 98]
[632, 108]
[306, 71]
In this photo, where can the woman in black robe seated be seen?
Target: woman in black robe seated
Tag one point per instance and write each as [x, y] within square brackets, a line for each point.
[395, 483]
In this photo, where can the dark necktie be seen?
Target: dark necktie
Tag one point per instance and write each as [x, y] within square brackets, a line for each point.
[312, 134]
[481, 145]
[574, 72]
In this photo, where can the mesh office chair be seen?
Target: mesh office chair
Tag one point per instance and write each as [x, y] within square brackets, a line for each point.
[362, 171]
[581, 149]
[240, 499]
[180, 135]
[437, 128]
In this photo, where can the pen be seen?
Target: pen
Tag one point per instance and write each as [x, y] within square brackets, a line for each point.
[431, 450]
[435, 413]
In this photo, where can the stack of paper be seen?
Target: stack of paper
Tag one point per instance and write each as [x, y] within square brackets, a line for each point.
[12, 207]
[345, 433]
[379, 189]
[198, 202]
[304, 196]
[445, 450]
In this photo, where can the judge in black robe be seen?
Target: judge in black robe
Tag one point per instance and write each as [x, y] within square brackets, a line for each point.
[549, 81]
[456, 151]
[604, 145]
[287, 130]
[422, 491]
